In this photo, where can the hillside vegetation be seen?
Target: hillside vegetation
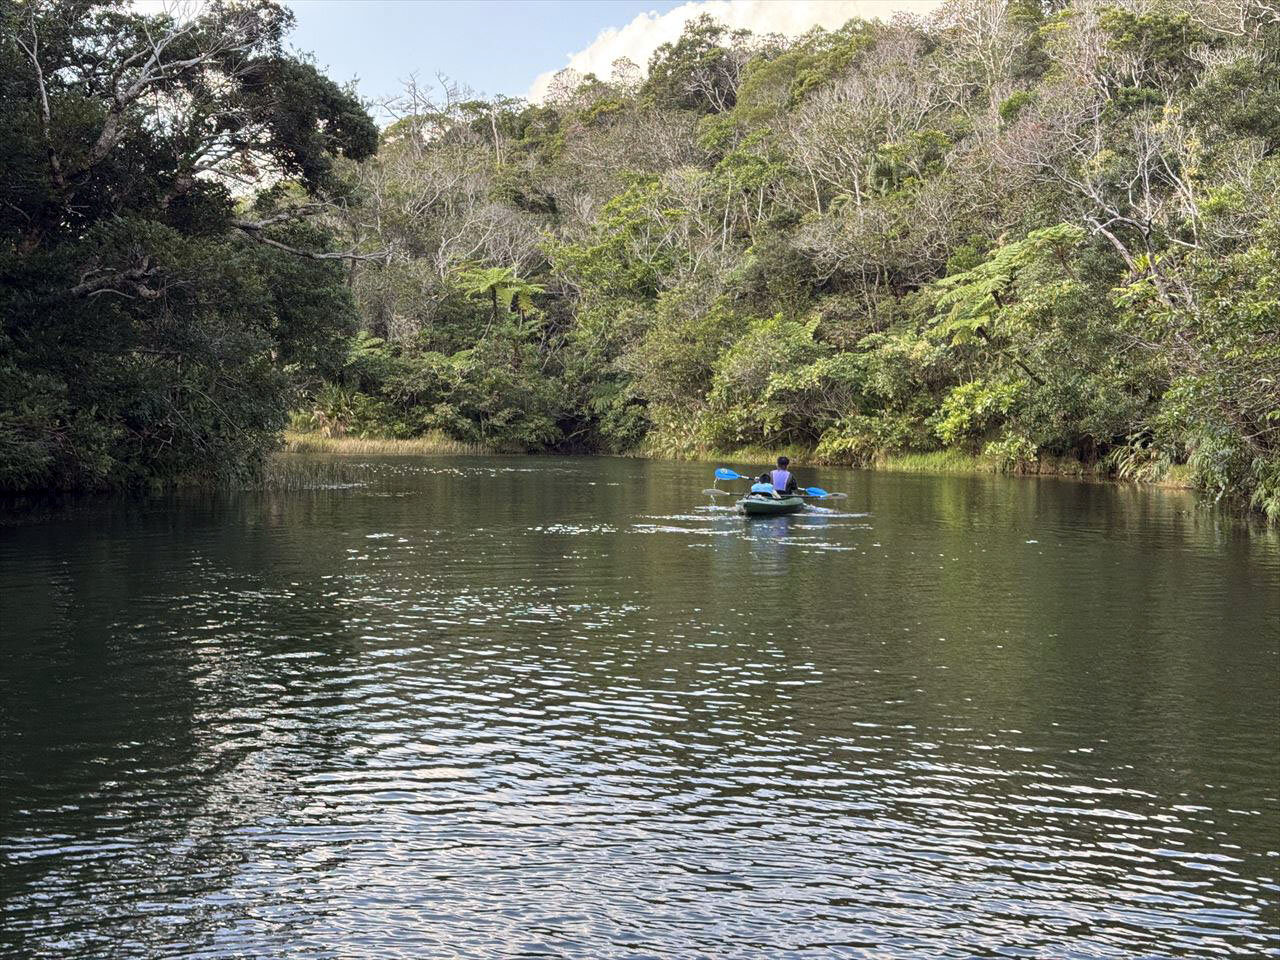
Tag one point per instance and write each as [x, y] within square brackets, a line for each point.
[1021, 230]
[1014, 229]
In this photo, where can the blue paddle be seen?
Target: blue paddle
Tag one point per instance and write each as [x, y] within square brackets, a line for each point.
[724, 473]
[820, 494]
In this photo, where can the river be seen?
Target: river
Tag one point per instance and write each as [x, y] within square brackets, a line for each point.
[578, 708]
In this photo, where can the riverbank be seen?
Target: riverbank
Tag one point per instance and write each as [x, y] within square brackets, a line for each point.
[934, 462]
[938, 462]
[1177, 477]
[433, 444]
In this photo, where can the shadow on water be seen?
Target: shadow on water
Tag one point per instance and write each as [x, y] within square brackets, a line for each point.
[124, 763]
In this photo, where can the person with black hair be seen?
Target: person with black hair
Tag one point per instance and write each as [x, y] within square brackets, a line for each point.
[783, 482]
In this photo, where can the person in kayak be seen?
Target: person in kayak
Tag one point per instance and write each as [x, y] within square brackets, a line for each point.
[783, 482]
[764, 487]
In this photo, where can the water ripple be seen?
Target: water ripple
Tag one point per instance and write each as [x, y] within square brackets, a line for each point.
[983, 719]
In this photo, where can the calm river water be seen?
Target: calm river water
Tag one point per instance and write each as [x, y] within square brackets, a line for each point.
[577, 708]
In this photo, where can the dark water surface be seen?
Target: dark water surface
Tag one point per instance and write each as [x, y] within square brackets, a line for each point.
[518, 707]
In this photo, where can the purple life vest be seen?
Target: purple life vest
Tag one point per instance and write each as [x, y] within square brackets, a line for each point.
[780, 480]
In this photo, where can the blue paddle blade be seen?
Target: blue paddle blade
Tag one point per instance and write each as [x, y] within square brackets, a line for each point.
[816, 492]
[724, 473]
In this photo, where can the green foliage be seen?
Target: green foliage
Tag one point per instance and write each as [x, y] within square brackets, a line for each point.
[627, 256]
[824, 56]
[312, 119]
[1162, 41]
[984, 301]
[1035, 234]
[699, 70]
[1221, 408]
[476, 395]
[1241, 98]
[1265, 495]
[674, 360]
[858, 439]
[971, 410]
[755, 395]
[1014, 104]
[153, 328]
[502, 288]
[1011, 450]
[1140, 459]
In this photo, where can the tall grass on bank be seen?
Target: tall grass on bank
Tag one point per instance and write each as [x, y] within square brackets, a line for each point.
[287, 473]
[433, 444]
[1176, 476]
[956, 461]
[761, 456]
[312, 461]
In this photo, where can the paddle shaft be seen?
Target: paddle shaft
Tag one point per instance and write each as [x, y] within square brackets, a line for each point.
[724, 473]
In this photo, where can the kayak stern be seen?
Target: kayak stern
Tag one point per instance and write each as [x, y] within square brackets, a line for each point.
[769, 507]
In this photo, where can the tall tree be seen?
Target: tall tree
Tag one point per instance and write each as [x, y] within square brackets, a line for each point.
[160, 270]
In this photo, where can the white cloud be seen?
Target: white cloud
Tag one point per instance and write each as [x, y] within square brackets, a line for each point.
[648, 31]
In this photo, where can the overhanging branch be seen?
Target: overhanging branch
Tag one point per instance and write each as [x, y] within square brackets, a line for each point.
[257, 230]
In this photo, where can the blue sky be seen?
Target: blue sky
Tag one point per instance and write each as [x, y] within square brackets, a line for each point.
[513, 46]
[493, 46]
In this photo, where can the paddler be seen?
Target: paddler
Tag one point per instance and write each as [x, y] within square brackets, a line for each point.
[783, 482]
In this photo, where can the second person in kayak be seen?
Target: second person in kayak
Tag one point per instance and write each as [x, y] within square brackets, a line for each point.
[763, 487]
[783, 482]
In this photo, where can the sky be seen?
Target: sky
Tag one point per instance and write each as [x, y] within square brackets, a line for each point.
[514, 47]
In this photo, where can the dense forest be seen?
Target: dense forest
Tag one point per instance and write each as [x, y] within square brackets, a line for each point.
[1025, 230]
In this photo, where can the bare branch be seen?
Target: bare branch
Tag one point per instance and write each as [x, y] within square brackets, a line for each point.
[46, 119]
[255, 229]
[111, 282]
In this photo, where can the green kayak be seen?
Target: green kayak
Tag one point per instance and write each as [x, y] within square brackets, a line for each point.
[769, 507]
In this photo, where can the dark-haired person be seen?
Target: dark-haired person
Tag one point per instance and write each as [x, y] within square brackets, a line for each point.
[783, 482]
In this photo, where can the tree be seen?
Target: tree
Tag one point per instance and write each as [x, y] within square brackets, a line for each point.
[502, 288]
[702, 70]
[153, 309]
[1021, 228]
